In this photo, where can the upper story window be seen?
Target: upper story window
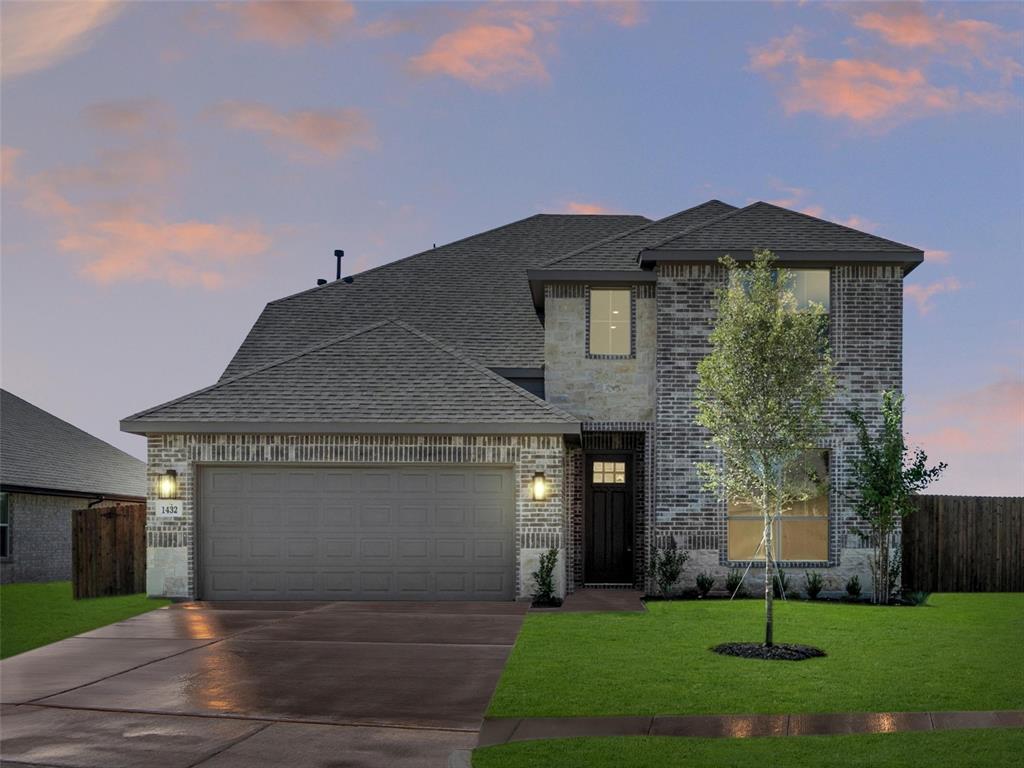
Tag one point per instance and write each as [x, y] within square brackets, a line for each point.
[5, 527]
[611, 317]
[810, 285]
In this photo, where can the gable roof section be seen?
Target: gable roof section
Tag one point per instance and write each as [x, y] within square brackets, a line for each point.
[790, 234]
[471, 294]
[618, 252]
[384, 377]
[40, 451]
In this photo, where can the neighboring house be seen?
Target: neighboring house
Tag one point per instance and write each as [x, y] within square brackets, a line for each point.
[48, 468]
[382, 436]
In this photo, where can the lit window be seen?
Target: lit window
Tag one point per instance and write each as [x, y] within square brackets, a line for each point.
[5, 527]
[799, 534]
[810, 285]
[610, 472]
[610, 319]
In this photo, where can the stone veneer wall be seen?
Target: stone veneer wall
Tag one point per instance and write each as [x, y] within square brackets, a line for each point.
[171, 550]
[597, 389]
[866, 333]
[40, 536]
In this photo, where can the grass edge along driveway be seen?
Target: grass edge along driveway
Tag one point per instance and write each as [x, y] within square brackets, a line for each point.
[961, 651]
[944, 749]
[32, 615]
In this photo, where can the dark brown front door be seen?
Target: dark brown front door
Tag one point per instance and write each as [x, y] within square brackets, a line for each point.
[608, 520]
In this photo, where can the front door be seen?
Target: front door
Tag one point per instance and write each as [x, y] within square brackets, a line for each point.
[608, 520]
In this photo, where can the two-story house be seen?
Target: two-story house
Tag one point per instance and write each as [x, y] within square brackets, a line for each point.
[425, 429]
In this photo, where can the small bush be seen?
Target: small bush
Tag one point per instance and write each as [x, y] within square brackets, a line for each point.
[916, 597]
[544, 579]
[666, 566]
[815, 583]
[734, 583]
[853, 587]
[704, 584]
[780, 584]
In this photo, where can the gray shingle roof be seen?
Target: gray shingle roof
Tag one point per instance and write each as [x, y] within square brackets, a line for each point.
[38, 450]
[386, 376]
[471, 294]
[619, 251]
[763, 225]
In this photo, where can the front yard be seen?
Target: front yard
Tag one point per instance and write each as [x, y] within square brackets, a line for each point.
[961, 651]
[37, 614]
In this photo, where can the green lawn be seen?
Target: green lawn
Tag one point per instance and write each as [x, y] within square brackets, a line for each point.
[958, 652]
[942, 749]
[36, 614]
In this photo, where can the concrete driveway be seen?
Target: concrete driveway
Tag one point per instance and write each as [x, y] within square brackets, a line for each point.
[221, 685]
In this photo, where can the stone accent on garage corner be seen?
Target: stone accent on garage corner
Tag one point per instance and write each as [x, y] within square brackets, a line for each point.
[171, 542]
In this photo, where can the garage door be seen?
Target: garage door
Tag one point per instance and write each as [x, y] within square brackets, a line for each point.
[361, 533]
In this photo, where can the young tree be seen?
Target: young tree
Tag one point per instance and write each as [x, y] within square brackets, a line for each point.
[761, 395]
[885, 479]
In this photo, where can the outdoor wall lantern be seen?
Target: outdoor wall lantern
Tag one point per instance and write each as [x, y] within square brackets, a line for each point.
[167, 485]
[540, 486]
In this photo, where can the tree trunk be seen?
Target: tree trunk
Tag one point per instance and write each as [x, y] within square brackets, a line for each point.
[768, 595]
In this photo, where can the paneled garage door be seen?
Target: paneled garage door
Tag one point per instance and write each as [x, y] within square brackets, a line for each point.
[356, 533]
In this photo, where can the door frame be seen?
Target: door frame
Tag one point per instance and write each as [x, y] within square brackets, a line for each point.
[588, 476]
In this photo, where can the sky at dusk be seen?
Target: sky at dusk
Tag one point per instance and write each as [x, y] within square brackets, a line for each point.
[168, 168]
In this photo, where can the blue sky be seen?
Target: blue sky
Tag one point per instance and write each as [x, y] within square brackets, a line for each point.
[169, 168]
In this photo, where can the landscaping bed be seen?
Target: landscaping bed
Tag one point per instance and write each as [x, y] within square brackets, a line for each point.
[32, 615]
[958, 652]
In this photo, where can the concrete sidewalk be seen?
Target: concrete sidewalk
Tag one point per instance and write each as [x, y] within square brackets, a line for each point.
[504, 730]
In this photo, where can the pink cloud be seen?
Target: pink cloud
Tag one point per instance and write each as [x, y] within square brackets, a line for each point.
[8, 157]
[288, 23]
[941, 257]
[306, 134]
[859, 222]
[910, 25]
[922, 295]
[587, 208]
[484, 55]
[131, 116]
[40, 35]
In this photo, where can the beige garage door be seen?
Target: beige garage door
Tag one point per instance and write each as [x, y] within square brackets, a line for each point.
[356, 533]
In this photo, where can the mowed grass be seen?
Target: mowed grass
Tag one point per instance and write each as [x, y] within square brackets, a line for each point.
[941, 749]
[37, 614]
[961, 651]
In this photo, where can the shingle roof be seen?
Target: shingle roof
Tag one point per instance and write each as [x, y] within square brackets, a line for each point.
[619, 251]
[763, 225]
[38, 450]
[386, 376]
[472, 294]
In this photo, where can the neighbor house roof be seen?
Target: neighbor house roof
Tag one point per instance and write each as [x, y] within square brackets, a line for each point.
[39, 451]
[471, 294]
[791, 235]
[384, 377]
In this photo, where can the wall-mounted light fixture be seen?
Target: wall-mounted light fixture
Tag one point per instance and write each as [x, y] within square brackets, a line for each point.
[539, 486]
[167, 485]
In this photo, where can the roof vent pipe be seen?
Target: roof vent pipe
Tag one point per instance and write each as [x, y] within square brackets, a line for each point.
[338, 254]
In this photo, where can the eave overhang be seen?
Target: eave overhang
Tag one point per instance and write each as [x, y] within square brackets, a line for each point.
[146, 427]
[649, 257]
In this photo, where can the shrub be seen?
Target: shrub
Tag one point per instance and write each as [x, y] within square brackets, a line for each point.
[544, 579]
[780, 584]
[734, 583]
[815, 583]
[916, 597]
[853, 587]
[704, 584]
[666, 566]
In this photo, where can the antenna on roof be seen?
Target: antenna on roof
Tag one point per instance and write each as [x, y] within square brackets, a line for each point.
[339, 255]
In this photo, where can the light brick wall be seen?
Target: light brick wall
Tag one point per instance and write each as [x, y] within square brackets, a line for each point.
[597, 389]
[40, 536]
[866, 334]
[171, 544]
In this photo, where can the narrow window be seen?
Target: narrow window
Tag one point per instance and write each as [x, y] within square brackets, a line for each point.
[5, 527]
[610, 319]
[799, 534]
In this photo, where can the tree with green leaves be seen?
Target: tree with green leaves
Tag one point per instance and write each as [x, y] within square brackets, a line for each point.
[761, 396]
[886, 475]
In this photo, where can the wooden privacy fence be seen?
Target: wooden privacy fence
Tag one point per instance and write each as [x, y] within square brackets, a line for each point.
[108, 546]
[964, 544]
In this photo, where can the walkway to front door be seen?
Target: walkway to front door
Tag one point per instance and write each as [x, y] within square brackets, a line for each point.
[608, 519]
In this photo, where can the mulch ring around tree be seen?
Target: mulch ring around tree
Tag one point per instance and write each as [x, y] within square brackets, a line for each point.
[777, 652]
